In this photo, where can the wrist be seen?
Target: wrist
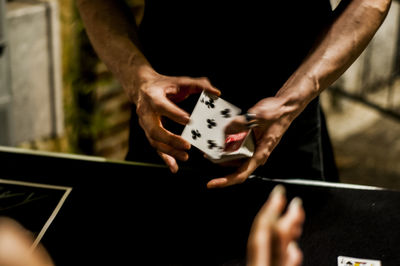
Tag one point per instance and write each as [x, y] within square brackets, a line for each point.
[297, 93]
[135, 76]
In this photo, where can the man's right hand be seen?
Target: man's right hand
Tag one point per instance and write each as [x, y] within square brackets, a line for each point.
[114, 37]
[156, 96]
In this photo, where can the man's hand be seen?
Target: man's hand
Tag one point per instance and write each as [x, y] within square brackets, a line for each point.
[114, 36]
[353, 25]
[273, 235]
[155, 98]
[272, 119]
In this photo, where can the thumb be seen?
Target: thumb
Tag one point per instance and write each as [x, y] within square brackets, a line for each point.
[197, 85]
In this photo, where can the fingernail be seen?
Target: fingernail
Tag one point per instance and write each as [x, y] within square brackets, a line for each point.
[211, 185]
[296, 203]
[173, 170]
[278, 190]
[187, 119]
[217, 90]
[183, 156]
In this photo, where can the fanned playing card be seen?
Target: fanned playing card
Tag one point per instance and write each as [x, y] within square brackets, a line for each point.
[205, 130]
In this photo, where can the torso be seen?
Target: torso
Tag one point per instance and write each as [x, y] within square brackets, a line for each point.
[248, 52]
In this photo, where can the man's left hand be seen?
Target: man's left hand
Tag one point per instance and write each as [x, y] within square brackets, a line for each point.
[272, 121]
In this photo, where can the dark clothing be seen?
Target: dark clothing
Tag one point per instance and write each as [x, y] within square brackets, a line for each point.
[247, 51]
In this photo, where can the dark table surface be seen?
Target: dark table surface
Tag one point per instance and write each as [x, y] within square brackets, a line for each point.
[138, 214]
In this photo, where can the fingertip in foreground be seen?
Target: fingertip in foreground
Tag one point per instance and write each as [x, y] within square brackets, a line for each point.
[295, 255]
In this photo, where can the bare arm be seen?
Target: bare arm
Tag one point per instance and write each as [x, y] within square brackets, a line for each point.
[113, 35]
[354, 25]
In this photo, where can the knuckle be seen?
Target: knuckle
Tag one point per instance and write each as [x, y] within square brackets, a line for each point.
[145, 95]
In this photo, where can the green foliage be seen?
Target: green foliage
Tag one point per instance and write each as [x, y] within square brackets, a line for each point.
[83, 121]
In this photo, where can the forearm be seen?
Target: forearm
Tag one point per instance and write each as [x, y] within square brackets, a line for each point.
[113, 35]
[354, 25]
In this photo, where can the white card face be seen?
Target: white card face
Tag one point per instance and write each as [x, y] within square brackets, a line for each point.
[205, 130]
[349, 261]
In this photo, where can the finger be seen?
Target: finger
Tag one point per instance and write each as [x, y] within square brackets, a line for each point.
[17, 245]
[169, 161]
[163, 148]
[197, 85]
[294, 255]
[259, 245]
[156, 134]
[296, 211]
[260, 157]
[275, 204]
[163, 140]
[291, 223]
[167, 108]
[271, 209]
[236, 178]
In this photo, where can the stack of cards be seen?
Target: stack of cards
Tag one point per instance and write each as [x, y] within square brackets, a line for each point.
[205, 130]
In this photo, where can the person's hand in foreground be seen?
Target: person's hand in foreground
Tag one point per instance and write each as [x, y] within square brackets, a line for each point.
[273, 235]
[16, 246]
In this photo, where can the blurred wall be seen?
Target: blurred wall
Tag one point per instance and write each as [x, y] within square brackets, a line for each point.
[5, 90]
[36, 95]
[377, 63]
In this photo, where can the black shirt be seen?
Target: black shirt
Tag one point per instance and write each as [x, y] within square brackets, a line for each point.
[252, 47]
[247, 51]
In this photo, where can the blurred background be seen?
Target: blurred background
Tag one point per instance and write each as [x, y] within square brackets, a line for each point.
[56, 95]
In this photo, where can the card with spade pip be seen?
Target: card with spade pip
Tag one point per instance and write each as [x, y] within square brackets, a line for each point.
[205, 130]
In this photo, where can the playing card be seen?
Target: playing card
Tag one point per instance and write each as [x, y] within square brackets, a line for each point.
[348, 261]
[205, 130]
[236, 146]
[207, 121]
